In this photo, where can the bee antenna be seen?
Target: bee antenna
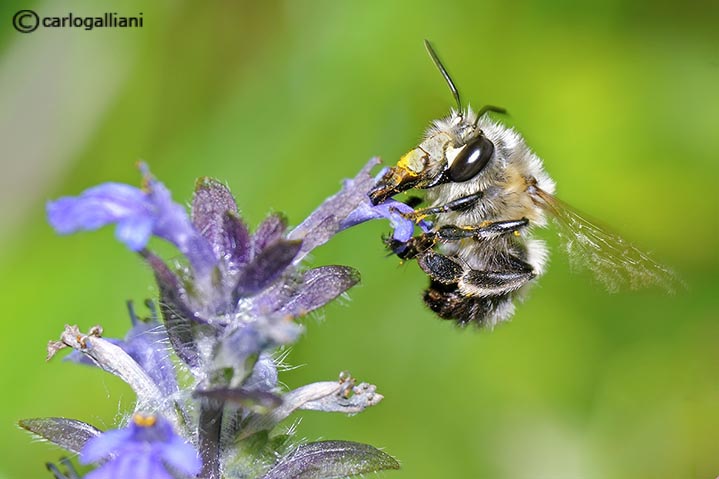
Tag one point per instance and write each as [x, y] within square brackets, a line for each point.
[443, 71]
[487, 109]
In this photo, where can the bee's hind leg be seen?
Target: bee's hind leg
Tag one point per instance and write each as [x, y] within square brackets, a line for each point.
[440, 268]
[515, 274]
[473, 296]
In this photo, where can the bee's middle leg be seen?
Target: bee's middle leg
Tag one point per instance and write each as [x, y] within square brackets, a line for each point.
[486, 230]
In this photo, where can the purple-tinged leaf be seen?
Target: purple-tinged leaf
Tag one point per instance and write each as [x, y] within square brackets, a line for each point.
[266, 267]
[211, 204]
[331, 459]
[177, 315]
[319, 287]
[271, 230]
[238, 243]
[69, 434]
[326, 220]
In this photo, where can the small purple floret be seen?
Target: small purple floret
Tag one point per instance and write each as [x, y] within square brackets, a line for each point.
[138, 214]
[147, 448]
[393, 210]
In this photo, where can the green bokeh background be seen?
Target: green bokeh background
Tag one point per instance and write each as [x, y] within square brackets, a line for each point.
[284, 99]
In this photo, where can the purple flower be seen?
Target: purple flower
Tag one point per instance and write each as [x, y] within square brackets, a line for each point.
[396, 212]
[138, 214]
[225, 318]
[147, 448]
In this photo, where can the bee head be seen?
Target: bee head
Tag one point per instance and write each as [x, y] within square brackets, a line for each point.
[454, 150]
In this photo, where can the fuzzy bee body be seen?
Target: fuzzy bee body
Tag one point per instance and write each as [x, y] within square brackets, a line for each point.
[485, 191]
[492, 268]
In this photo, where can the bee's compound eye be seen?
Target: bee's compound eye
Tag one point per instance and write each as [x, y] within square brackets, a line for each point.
[470, 161]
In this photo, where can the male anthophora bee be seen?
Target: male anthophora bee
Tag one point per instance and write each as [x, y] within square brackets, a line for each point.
[485, 190]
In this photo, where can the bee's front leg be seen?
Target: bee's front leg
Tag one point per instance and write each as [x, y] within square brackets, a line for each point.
[413, 247]
[460, 204]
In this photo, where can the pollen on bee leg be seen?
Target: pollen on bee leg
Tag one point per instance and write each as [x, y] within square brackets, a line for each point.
[516, 233]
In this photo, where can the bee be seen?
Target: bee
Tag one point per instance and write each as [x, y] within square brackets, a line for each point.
[485, 191]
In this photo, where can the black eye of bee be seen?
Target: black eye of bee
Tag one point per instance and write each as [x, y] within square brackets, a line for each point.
[471, 159]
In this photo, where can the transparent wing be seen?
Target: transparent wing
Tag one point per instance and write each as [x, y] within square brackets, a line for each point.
[612, 260]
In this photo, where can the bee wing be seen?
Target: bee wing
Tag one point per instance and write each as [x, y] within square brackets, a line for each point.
[613, 261]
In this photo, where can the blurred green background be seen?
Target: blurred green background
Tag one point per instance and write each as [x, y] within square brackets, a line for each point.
[284, 99]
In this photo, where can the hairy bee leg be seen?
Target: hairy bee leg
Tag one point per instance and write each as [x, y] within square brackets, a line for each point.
[494, 283]
[439, 267]
[486, 231]
[460, 204]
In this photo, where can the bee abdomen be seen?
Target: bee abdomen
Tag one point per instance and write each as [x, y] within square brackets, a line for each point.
[447, 302]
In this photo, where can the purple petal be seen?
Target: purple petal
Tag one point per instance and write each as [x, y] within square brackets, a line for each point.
[391, 209]
[138, 214]
[181, 456]
[145, 344]
[319, 287]
[134, 231]
[266, 267]
[326, 220]
[271, 230]
[141, 450]
[107, 443]
[173, 224]
[101, 205]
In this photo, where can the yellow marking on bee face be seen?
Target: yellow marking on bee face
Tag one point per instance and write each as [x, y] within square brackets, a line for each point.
[516, 233]
[144, 421]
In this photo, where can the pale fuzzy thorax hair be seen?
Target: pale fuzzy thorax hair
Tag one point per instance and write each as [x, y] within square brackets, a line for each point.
[503, 183]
